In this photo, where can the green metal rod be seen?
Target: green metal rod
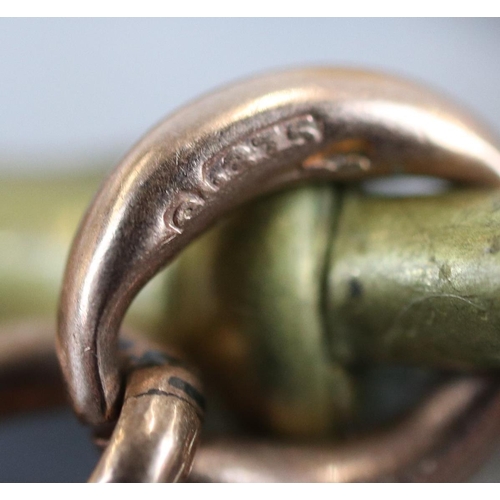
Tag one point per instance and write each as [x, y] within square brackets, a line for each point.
[291, 291]
[417, 280]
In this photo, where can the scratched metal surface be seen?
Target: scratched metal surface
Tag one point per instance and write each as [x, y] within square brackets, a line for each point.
[76, 91]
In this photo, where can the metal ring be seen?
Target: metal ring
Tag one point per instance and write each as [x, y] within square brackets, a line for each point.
[222, 150]
[444, 439]
[157, 433]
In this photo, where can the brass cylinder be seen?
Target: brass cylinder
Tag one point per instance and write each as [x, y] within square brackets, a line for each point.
[277, 302]
[416, 280]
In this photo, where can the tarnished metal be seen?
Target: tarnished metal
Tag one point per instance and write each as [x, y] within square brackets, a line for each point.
[224, 149]
[415, 281]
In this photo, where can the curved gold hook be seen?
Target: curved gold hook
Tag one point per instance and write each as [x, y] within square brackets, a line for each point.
[222, 150]
[158, 430]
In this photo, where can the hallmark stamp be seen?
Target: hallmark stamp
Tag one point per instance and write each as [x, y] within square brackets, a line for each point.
[262, 145]
[184, 207]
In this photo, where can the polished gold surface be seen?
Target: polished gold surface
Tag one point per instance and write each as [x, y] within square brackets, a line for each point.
[158, 430]
[155, 441]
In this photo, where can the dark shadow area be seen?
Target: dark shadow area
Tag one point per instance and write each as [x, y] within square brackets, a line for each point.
[49, 446]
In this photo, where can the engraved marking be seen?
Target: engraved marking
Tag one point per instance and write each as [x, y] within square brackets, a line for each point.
[224, 168]
[184, 207]
[304, 129]
[264, 143]
[188, 207]
[280, 137]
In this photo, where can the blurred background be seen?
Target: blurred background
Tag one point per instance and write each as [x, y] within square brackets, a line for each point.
[76, 93]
